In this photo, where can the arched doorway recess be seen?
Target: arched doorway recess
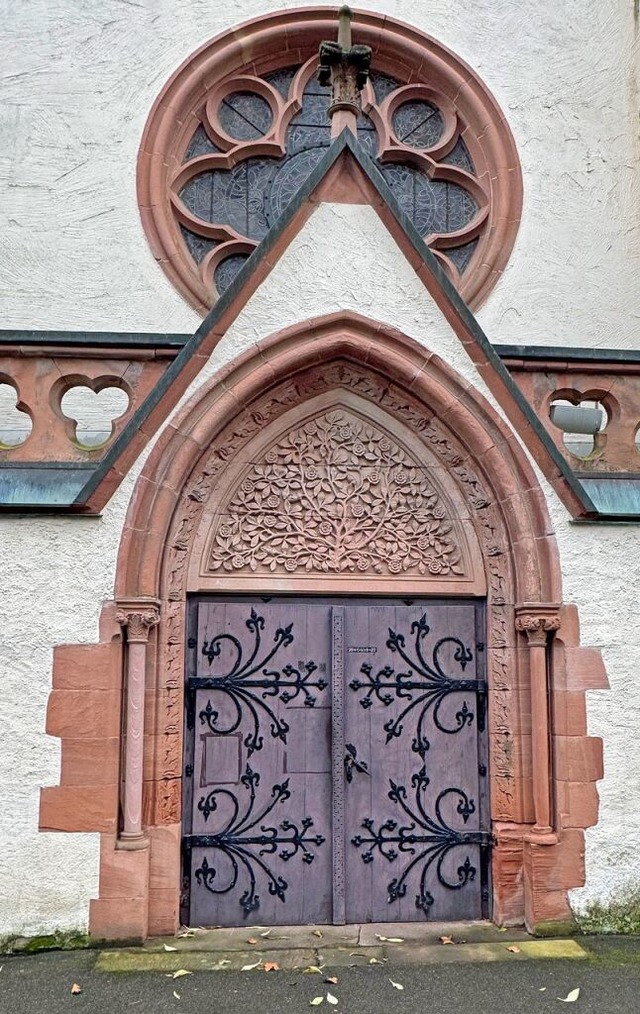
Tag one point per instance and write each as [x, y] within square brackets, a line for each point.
[542, 766]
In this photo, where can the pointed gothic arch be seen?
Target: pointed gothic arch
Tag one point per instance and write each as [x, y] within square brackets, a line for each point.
[338, 369]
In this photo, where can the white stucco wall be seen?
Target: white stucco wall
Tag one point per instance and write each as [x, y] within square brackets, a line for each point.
[78, 82]
[79, 79]
[53, 593]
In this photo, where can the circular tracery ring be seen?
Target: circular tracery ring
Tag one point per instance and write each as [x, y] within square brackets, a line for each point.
[241, 125]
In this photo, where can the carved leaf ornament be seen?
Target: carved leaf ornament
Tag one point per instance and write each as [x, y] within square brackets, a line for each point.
[336, 495]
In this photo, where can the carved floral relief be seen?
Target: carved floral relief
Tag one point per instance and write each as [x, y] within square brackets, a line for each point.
[336, 495]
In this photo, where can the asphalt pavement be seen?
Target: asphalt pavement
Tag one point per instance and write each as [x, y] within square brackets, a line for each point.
[608, 981]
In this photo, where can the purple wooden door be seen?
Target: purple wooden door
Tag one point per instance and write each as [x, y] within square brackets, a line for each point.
[335, 762]
[258, 846]
[415, 766]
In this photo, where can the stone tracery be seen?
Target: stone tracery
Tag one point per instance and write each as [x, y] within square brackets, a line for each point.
[231, 192]
[240, 126]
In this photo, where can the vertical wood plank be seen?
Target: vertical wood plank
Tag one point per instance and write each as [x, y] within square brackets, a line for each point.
[337, 762]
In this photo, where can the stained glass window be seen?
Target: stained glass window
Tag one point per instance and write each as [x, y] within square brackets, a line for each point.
[245, 116]
[249, 198]
[239, 128]
[418, 124]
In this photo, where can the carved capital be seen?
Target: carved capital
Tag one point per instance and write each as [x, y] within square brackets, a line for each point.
[344, 66]
[138, 616]
[537, 622]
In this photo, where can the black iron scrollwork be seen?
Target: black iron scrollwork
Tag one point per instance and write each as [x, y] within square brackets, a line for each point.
[245, 839]
[351, 763]
[425, 685]
[428, 839]
[249, 683]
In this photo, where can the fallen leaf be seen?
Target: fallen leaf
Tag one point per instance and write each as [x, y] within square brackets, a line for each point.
[180, 973]
[187, 933]
[271, 966]
[514, 949]
[266, 933]
[375, 961]
[75, 989]
[391, 940]
[316, 933]
[177, 995]
[167, 948]
[317, 1000]
[396, 985]
[333, 979]
[571, 997]
[249, 968]
[447, 940]
[543, 989]
[252, 940]
[502, 929]
[332, 999]
[312, 970]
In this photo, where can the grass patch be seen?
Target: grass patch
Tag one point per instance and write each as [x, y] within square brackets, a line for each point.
[619, 915]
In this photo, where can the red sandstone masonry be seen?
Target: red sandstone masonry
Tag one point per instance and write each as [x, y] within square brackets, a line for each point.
[529, 880]
[87, 666]
[79, 808]
[82, 713]
[508, 877]
[578, 758]
[119, 918]
[577, 804]
[123, 874]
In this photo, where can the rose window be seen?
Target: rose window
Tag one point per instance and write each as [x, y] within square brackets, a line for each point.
[276, 129]
[247, 136]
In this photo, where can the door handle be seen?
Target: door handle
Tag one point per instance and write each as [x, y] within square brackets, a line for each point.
[351, 763]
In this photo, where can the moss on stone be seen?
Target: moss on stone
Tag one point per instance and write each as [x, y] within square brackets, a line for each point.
[557, 928]
[60, 940]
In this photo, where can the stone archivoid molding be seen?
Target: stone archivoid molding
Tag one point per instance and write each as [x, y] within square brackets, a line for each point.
[185, 136]
[485, 473]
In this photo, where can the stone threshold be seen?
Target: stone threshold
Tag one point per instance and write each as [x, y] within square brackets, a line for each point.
[322, 948]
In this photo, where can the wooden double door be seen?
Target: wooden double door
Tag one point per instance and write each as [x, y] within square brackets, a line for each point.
[335, 761]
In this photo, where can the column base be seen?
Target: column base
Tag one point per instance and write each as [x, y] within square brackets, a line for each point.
[541, 836]
[132, 842]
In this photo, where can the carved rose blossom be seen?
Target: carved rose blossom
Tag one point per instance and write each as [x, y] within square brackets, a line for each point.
[335, 495]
